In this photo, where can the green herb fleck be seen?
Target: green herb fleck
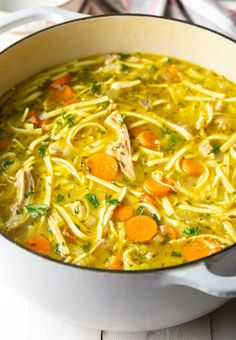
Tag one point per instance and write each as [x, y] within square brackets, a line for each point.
[173, 140]
[124, 55]
[207, 215]
[6, 163]
[123, 118]
[124, 68]
[86, 246]
[192, 231]
[30, 192]
[101, 131]
[176, 254]
[43, 150]
[113, 201]
[36, 210]
[76, 210]
[60, 198]
[68, 119]
[140, 211]
[57, 249]
[154, 216]
[92, 198]
[153, 68]
[95, 87]
[216, 147]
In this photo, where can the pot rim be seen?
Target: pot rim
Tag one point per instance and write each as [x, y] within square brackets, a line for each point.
[101, 270]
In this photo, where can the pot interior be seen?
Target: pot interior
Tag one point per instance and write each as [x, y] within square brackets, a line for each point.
[121, 33]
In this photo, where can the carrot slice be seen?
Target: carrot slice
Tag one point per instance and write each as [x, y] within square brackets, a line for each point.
[149, 200]
[40, 244]
[123, 213]
[34, 118]
[195, 250]
[134, 132]
[70, 236]
[147, 139]
[71, 101]
[155, 188]
[118, 264]
[192, 167]
[167, 230]
[103, 166]
[64, 80]
[141, 228]
[64, 92]
[44, 125]
[4, 143]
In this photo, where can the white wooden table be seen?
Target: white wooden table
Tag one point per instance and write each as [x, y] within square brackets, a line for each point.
[19, 320]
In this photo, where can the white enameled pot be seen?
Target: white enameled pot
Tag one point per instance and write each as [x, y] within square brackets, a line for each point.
[127, 301]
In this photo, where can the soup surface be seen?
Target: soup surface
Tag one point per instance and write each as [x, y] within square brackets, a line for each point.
[121, 161]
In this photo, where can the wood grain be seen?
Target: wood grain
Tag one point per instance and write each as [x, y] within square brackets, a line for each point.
[223, 322]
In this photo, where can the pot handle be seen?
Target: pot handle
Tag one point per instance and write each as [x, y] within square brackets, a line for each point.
[25, 16]
[200, 277]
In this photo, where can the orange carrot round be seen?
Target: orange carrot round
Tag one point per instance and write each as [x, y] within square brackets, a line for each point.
[66, 79]
[155, 188]
[123, 213]
[39, 244]
[34, 118]
[195, 250]
[167, 230]
[135, 131]
[64, 92]
[70, 236]
[44, 125]
[192, 167]
[117, 265]
[147, 139]
[149, 200]
[103, 166]
[140, 228]
[4, 143]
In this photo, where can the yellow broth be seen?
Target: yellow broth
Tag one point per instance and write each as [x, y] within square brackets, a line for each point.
[121, 161]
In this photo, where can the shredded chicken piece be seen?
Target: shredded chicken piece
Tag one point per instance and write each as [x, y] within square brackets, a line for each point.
[25, 185]
[205, 148]
[121, 149]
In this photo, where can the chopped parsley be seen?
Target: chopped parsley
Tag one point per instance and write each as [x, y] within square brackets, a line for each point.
[30, 192]
[86, 246]
[57, 249]
[36, 210]
[113, 201]
[173, 140]
[76, 210]
[67, 119]
[92, 198]
[101, 131]
[123, 117]
[207, 215]
[60, 198]
[124, 56]
[154, 216]
[124, 68]
[176, 254]
[216, 147]
[140, 211]
[153, 68]
[42, 150]
[6, 163]
[192, 231]
[95, 87]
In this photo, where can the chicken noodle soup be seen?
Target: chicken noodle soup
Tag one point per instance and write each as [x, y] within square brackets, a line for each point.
[120, 161]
